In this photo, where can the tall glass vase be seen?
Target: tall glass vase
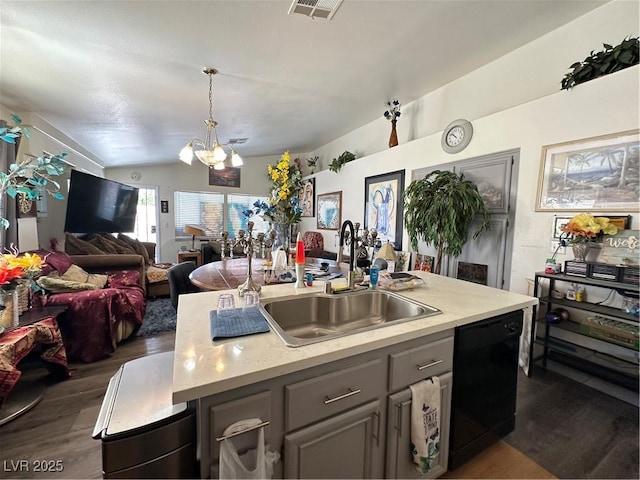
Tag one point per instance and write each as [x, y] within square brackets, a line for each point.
[283, 237]
[9, 314]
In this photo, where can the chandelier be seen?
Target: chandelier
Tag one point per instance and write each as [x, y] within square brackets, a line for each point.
[210, 152]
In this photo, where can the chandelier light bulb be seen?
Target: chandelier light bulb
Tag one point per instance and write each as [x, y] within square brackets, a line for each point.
[219, 166]
[218, 153]
[186, 154]
[236, 160]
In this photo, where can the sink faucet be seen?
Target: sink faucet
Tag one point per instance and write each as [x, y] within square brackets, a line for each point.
[351, 276]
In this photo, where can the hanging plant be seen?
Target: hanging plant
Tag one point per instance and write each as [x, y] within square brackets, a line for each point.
[607, 61]
[337, 163]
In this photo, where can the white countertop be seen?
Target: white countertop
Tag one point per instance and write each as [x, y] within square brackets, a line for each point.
[203, 367]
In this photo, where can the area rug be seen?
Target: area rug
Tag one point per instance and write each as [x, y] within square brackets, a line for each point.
[160, 317]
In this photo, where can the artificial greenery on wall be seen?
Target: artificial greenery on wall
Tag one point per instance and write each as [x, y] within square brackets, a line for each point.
[607, 61]
[337, 163]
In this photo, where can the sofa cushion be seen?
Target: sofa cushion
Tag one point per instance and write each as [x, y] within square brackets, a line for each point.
[101, 242]
[137, 245]
[76, 246]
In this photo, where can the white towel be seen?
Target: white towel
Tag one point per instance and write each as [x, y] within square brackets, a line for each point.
[425, 423]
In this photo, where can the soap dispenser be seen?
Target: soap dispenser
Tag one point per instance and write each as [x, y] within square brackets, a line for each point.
[300, 259]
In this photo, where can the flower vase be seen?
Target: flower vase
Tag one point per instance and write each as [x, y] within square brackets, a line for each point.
[580, 251]
[393, 139]
[9, 314]
[283, 237]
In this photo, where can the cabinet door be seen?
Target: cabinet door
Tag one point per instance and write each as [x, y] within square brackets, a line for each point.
[343, 446]
[399, 457]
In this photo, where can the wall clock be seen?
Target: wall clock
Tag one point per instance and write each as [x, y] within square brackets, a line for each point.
[135, 176]
[456, 136]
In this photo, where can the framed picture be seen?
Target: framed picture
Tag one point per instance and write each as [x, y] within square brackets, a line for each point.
[558, 223]
[383, 204]
[229, 177]
[329, 211]
[306, 196]
[423, 262]
[593, 174]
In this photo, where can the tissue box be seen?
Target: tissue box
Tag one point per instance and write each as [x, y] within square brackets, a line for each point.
[287, 275]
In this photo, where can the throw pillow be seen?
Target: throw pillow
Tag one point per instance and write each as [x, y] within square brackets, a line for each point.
[54, 283]
[138, 247]
[75, 246]
[76, 274]
[102, 243]
[54, 260]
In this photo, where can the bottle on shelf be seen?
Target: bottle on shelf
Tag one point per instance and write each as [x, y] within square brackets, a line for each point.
[571, 292]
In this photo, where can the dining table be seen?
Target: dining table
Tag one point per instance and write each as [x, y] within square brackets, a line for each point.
[229, 273]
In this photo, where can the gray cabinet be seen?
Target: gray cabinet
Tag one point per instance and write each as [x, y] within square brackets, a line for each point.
[343, 446]
[399, 462]
[330, 421]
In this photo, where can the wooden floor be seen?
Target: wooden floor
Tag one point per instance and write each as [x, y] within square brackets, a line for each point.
[59, 428]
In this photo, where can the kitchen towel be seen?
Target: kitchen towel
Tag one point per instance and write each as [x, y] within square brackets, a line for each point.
[425, 423]
[237, 322]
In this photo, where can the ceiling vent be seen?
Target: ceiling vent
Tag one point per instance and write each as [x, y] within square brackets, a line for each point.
[315, 8]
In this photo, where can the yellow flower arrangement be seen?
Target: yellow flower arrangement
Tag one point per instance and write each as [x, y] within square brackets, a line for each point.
[584, 227]
[287, 181]
[14, 268]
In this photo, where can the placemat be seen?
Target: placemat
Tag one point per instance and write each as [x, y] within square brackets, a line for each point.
[238, 323]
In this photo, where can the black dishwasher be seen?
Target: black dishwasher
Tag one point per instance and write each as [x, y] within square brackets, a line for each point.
[485, 374]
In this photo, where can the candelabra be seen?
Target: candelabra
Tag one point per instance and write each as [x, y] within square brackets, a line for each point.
[248, 245]
[261, 244]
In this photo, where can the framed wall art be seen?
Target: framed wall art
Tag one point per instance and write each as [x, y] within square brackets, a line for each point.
[306, 196]
[598, 174]
[229, 177]
[329, 211]
[383, 206]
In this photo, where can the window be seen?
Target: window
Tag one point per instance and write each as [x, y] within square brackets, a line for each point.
[236, 220]
[199, 208]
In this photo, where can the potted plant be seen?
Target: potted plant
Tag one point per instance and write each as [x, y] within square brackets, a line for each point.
[438, 210]
[337, 163]
[607, 61]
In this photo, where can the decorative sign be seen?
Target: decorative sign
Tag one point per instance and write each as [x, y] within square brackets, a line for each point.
[621, 249]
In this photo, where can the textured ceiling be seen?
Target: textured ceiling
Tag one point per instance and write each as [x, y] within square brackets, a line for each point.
[124, 78]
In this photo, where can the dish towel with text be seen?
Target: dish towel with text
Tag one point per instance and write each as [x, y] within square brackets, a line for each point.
[425, 423]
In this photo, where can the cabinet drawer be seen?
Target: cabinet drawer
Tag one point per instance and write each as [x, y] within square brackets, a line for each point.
[419, 363]
[320, 397]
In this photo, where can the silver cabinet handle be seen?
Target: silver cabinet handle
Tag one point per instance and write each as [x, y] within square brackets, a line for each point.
[377, 435]
[432, 364]
[250, 429]
[399, 419]
[341, 397]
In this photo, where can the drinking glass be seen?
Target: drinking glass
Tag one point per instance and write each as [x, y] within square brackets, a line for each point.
[251, 301]
[226, 305]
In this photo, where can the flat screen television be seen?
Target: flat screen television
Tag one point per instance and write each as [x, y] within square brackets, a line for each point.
[96, 205]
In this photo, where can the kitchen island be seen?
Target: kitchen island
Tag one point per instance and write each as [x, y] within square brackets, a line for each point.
[258, 376]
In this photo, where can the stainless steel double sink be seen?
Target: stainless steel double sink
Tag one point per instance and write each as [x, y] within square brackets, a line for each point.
[302, 320]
